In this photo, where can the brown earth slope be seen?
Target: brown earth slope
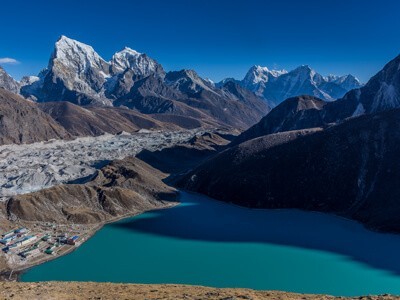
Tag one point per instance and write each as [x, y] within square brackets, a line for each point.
[21, 121]
[93, 121]
[122, 188]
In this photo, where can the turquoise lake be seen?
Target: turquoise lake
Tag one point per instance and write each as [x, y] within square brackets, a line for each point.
[206, 242]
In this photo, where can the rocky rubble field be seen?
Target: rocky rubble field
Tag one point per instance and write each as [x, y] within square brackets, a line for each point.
[32, 167]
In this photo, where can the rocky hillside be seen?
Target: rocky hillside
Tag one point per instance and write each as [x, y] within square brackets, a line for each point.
[93, 121]
[122, 188]
[21, 121]
[349, 169]
[92, 290]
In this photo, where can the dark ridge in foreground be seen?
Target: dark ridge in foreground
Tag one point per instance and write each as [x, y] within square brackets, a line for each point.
[351, 169]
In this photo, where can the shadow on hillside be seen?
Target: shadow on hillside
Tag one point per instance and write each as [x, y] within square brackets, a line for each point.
[200, 218]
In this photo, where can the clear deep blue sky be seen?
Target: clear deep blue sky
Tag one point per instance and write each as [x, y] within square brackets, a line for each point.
[216, 38]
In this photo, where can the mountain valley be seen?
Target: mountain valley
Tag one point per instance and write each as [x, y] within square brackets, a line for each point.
[89, 141]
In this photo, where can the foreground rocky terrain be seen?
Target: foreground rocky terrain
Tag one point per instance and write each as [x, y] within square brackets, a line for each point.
[91, 290]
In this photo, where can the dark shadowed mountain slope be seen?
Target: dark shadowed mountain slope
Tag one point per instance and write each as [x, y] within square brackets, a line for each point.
[292, 114]
[351, 169]
[21, 121]
[184, 156]
[382, 92]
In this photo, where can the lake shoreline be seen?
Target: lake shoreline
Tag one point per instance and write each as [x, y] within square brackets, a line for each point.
[19, 272]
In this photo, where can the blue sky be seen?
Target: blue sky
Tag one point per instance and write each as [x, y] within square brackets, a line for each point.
[216, 38]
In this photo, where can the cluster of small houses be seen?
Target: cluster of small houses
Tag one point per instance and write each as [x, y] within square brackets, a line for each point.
[19, 237]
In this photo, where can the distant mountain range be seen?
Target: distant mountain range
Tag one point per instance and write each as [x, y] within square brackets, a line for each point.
[382, 92]
[78, 74]
[277, 85]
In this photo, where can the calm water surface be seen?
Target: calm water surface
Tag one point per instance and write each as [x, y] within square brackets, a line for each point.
[205, 242]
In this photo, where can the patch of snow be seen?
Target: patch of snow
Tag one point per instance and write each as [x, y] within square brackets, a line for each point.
[360, 110]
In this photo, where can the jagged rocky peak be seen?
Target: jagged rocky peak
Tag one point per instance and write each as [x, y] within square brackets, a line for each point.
[187, 81]
[258, 74]
[78, 57]
[7, 82]
[380, 93]
[77, 73]
[141, 64]
[276, 86]
[347, 82]
[305, 72]
[225, 80]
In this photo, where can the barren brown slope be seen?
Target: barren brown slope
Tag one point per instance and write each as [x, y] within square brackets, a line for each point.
[122, 188]
[21, 121]
[93, 121]
[92, 290]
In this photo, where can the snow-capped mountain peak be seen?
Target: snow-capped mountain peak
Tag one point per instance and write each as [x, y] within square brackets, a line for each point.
[123, 59]
[139, 63]
[258, 74]
[7, 82]
[78, 56]
[278, 85]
